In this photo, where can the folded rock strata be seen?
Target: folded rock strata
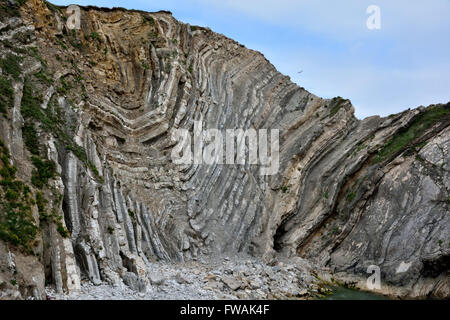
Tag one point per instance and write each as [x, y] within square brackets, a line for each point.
[349, 193]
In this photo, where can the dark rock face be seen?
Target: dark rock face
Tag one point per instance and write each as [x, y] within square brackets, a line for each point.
[349, 193]
[403, 227]
[134, 282]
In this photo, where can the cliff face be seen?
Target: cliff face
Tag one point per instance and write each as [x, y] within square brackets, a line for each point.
[88, 123]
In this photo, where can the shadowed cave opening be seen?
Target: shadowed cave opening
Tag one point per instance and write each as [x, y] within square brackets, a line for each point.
[278, 237]
[436, 267]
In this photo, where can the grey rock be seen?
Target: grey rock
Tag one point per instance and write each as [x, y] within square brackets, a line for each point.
[180, 279]
[232, 283]
[156, 279]
[134, 282]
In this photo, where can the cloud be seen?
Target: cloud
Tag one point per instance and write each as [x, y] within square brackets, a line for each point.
[403, 65]
[345, 19]
[373, 88]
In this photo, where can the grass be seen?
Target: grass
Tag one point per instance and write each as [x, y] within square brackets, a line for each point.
[153, 35]
[30, 138]
[335, 230]
[52, 7]
[8, 10]
[360, 146]
[64, 88]
[42, 75]
[80, 153]
[415, 148]
[11, 65]
[6, 95]
[41, 203]
[337, 103]
[352, 191]
[51, 120]
[30, 107]
[44, 170]
[62, 44]
[16, 218]
[77, 44]
[351, 196]
[403, 139]
[94, 36]
[168, 67]
[149, 19]
[23, 38]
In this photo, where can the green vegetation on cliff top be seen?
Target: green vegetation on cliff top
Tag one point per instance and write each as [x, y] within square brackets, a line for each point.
[417, 128]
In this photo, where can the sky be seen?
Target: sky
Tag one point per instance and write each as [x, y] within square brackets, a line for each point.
[326, 46]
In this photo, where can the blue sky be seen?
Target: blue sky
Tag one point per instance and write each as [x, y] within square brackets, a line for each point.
[404, 64]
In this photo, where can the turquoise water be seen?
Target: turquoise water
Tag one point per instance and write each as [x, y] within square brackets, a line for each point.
[342, 293]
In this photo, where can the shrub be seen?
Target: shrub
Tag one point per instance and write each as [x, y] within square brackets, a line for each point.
[6, 95]
[62, 230]
[41, 203]
[11, 65]
[30, 138]
[43, 76]
[8, 9]
[94, 36]
[30, 107]
[45, 170]
[351, 196]
[16, 218]
[34, 52]
[337, 104]
[52, 7]
[149, 19]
